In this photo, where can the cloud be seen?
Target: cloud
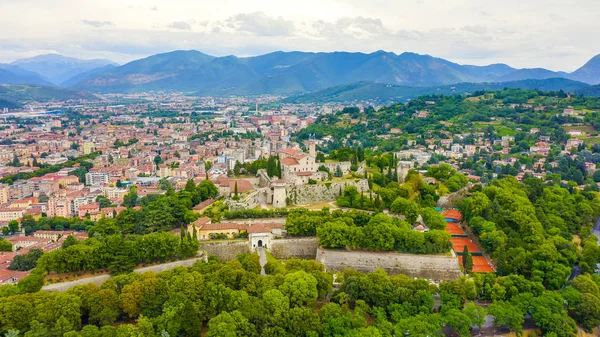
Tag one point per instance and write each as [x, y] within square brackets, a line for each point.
[181, 25]
[258, 23]
[357, 27]
[97, 24]
[155, 8]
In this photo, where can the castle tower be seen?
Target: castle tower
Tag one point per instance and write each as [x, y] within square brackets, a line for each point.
[279, 196]
[312, 149]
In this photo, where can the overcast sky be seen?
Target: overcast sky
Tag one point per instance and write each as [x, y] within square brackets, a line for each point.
[559, 35]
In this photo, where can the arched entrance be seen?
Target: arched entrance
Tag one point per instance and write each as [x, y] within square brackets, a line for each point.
[260, 243]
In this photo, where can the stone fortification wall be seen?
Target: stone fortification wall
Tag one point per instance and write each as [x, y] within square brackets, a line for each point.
[250, 201]
[226, 251]
[435, 267]
[332, 166]
[307, 194]
[300, 248]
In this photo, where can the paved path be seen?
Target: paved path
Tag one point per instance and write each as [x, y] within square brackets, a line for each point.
[98, 280]
[262, 256]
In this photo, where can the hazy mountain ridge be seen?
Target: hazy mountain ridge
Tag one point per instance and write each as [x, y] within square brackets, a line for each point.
[57, 69]
[10, 74]
[300, 72]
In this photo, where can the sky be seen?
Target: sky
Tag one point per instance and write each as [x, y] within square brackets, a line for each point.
[557, 35]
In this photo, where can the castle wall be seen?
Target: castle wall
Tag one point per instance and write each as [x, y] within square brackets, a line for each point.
[435, 267]
[300, 248]
[307, 194]
[344, 165]
[226, 250]
[251, 201]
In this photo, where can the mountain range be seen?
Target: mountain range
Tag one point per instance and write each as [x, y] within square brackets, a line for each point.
[281, 73]
[287, 73]
[51, 69]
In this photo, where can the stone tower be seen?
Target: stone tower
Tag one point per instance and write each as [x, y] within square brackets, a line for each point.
[312, 149]
[279, 197]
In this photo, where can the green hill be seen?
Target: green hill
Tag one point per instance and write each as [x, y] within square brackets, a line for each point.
[17, 94]
[386, 93]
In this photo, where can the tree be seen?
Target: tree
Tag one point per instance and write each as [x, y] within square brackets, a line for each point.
[338, 171]
[507, 314]
[5, 246]
[13, 226]
[408, 208]
[467, 260]
[157, 161]
[301, 288]
[131, 199]
[476, 314]
[25, 262]
[104, 201]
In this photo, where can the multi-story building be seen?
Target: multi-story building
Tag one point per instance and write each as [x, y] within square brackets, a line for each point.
[21, 189]
[59, 207]
[95, 178]
[88, 147]
[9, 214]
[4, 194]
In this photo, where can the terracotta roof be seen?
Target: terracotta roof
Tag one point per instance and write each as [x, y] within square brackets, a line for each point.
[204, 204]
[290, 151]
[222, 226]
[202, 221]
[304, 174]
[289, 161]
[263, 227]
[243, 185]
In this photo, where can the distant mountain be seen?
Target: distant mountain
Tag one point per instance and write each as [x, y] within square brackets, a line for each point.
[290, 73]
[531, 74]
[19, 94]
[282, 72]
[57, 68]
[84, 75]
[10, 74]
[388, 93]
[589, 73]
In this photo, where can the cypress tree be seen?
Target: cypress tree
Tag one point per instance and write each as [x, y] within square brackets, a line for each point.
[467, 260]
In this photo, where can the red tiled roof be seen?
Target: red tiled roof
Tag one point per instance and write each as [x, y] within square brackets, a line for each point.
[222, 226]
[205, 203]
[202, 221]
[289, 161]
[290, 151]
[263, 227]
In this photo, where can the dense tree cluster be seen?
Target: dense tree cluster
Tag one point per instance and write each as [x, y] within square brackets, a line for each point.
[528, 228]
[256, 213]
[24, 262]
[118, 253]
[54, 168]
[357, 229]
[158, 212]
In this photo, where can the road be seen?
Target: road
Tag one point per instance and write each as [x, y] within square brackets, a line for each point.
[596, 231]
